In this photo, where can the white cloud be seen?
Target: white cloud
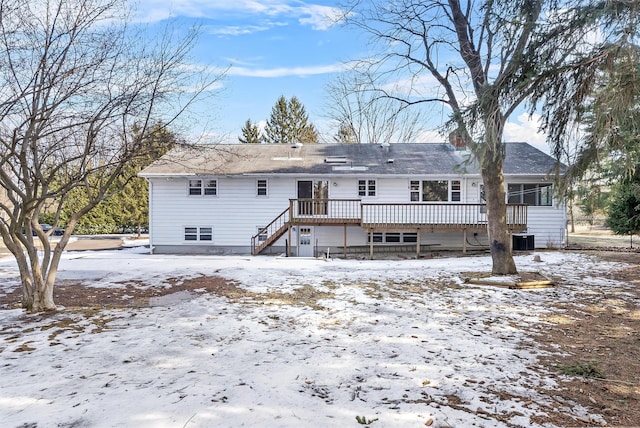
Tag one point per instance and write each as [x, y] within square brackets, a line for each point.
[526, 129]
[318, 17]
[285, 71]
[236, 30]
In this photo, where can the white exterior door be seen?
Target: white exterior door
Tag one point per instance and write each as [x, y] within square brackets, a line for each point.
[305, 241]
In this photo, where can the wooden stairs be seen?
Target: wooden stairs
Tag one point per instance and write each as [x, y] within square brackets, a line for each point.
[270, 233]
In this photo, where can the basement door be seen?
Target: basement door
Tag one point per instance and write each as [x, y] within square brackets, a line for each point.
[305, 241]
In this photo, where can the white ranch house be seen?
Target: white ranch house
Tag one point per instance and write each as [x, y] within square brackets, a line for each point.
[343, 198]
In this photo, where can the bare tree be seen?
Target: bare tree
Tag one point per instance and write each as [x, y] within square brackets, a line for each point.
[75, 81]
[368, 117]
[485, 60]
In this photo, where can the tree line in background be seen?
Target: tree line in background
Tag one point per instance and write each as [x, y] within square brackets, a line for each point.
[127, 209]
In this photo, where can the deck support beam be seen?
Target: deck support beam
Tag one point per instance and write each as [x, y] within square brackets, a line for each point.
[289, 240]
[417, 243]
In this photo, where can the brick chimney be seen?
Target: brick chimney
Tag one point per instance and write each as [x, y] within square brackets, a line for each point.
[457, 141]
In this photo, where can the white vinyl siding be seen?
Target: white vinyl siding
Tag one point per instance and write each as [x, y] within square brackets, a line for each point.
[235, 213]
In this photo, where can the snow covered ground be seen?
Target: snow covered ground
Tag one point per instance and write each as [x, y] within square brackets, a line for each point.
[400, 343]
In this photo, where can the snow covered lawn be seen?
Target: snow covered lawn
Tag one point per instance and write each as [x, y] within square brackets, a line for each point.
[389, 343]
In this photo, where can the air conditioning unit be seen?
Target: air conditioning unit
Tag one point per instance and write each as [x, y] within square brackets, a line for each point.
[522, 242]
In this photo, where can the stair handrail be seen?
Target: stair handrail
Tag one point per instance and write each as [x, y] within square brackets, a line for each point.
[281, 220]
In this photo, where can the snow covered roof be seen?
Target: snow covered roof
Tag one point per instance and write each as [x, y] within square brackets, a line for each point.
[341, 159]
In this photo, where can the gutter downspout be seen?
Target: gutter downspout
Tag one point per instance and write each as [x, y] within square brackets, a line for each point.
[150, 215]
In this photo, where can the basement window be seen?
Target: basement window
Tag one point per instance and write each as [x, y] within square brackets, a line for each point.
[192, 233]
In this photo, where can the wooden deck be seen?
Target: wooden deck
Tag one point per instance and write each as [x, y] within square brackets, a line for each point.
[374, 217]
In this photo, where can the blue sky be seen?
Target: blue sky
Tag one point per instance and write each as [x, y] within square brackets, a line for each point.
[274, 48]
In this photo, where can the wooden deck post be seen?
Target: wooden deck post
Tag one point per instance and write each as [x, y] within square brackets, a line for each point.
[344, 248]
[417, 243]
[289, 238]
[464, 241]
[371, 244]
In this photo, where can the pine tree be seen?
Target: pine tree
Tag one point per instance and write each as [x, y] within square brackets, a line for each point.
[127, 209]
[624, 210]
[302, 130]
[250, 133]
[345, 135]
[289, 123]
[278, 129]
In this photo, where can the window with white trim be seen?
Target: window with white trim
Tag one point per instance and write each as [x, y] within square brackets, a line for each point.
[199, 187]
[435, 191]
[456, 193]
[262, 187]
[410, 237]
[377, 237]
[262, 233]
[535, 194]
[392, 237]
[192, 233]
[366, 187]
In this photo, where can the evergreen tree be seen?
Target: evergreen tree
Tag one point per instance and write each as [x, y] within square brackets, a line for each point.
[289, 123]
[250, 133]
[302, 130]
[278, 129]
[127, 209]
[624, 211]
[345, 135]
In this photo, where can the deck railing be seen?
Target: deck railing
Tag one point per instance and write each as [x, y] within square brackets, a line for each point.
[266, 235]
[434, 216]
[376, 215]
[449, 215]
[325, 210]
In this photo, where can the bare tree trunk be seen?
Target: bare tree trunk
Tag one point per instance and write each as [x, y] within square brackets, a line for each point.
[42, 298]
[571, 216]
[503, 263]
[491, 161]
[37, 293]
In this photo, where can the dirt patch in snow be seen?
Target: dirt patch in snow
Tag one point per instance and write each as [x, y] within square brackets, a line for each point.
[595, 341]
[73, 295]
